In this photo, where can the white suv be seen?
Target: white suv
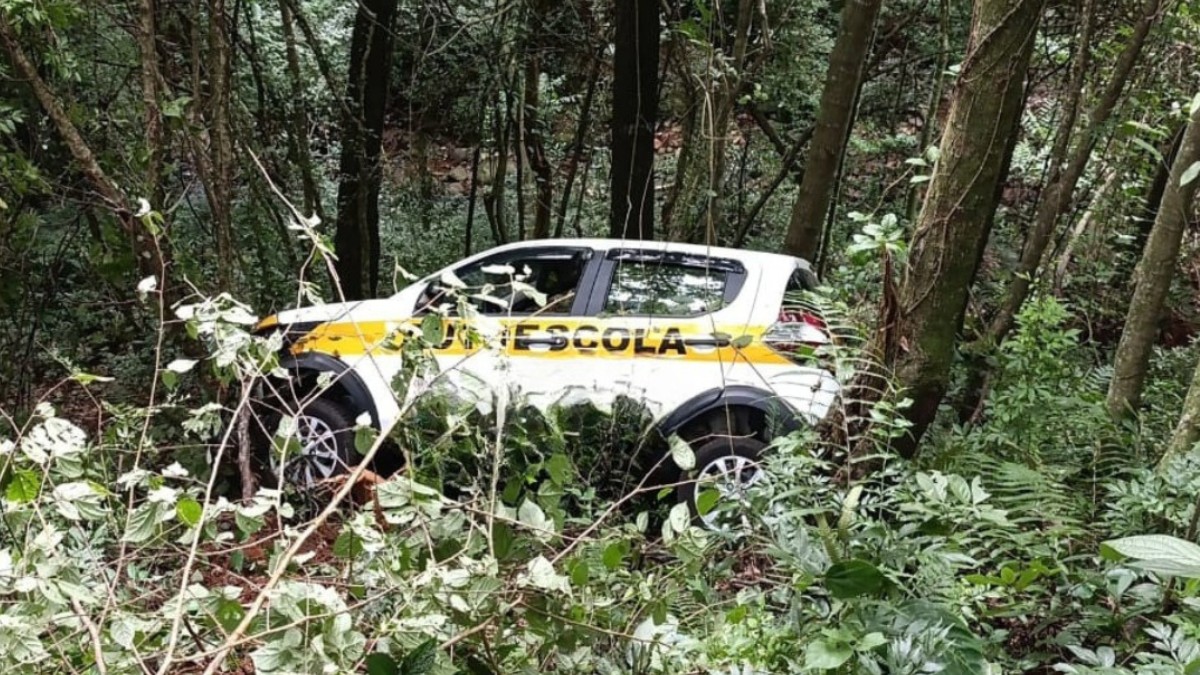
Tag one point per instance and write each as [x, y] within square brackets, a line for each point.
[702, 336]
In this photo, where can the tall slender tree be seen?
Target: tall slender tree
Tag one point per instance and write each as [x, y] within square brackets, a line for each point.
[834, 118]
[955, 222]
[634, 115]
[1154, 273]
[1064, 176]
[357, 236]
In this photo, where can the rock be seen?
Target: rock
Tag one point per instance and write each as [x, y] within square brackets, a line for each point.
[458, 174]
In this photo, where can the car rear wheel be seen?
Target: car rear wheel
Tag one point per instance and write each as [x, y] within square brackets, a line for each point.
[319, 446]
[728, 466]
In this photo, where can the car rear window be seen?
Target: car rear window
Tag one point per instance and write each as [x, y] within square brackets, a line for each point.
[665, 289]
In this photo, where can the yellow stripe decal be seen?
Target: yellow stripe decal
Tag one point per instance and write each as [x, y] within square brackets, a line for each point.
[555, 338]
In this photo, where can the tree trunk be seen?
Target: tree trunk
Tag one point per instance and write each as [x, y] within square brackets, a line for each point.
[634, 114]
[834, 118]
[357, 237]
[1152, 279]
[533, 134]
[299, 121]
[151, 100]
[1060, 187]
[221, 148]
[150, 258]
[955, 221]
[712, 217]
[934, 105]
[582, 129]
[1187, 431]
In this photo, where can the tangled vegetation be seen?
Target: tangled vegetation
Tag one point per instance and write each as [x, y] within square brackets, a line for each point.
[1000, 198]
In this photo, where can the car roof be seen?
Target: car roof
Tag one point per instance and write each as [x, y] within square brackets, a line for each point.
[749, 257]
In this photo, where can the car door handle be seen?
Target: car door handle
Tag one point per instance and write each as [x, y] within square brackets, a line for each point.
[540, 343]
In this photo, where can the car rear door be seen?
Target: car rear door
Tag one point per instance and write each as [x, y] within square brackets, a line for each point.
[666, 323]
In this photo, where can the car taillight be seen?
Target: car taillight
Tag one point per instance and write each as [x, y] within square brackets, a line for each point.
[797, 333]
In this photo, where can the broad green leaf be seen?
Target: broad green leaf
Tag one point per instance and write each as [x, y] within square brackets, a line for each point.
[580, 574]
[23, 488]
[1190, 175]
[707, 501]
[431, 329]
[348, 545]
[826, 655]
[421, 660]
[1160, 553]
[380, 663]
[364, 438]
[680, 517]
[682, 454]
[189, 511]
[853, 578]
[613, 554]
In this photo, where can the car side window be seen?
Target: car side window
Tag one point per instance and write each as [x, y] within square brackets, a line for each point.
[521, 283]
[660, 288]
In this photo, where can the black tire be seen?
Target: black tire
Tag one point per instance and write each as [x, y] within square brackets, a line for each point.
[707, 453]
[339, 455]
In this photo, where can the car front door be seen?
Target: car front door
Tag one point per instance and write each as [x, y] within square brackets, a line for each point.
[511, 322]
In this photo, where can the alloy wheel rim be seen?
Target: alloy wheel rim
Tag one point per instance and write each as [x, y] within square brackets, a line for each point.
[731, 475]
[317, 458]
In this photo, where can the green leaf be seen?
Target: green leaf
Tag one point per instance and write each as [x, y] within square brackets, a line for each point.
[364, 438]
[175, 107]
[229, 613]
[613, 554]
[1148, 148]
[23, 488]
[1190, 175]
[1160, 553]
[853, 578]
[559, 468]
[680, 517]
[682, 453]
[580, 574]
[826, 655]
[380, 663]
[707, 501]
[348, 545]
[189, 511]
[431, 329]
[742, 341]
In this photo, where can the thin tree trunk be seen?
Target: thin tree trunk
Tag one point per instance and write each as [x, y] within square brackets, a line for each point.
[712, 218]
[929, 127]
[787, 165]
[1152, 279]
[357, 237]
[634, 115]
[314, 46]
[955, 222]
[1060, 188]
[221, 149]
[1085, 221]
[533, 133]
[577, 144]
[299, 121]
[834, 119]
[1187, 430]
[150, 258]
[151, 100]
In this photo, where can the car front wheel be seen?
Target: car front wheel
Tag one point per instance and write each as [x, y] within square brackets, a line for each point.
[725, 468]
[319, 446]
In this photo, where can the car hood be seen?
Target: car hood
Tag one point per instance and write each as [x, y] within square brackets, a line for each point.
[360, 310]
